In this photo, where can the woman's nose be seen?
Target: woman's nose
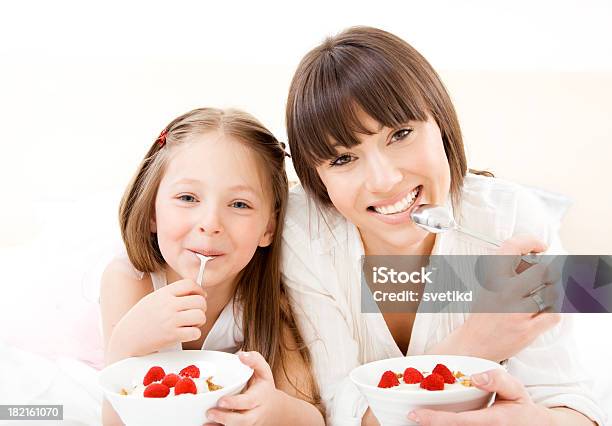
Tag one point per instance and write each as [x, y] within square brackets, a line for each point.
[382, 174]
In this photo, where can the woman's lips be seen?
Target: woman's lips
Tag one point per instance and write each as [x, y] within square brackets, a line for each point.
[398, 218]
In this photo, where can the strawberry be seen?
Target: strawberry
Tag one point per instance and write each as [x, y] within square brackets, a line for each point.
[446, 374]
[156, 390]
[155, 374]
[412, 375]
[171, 379]
[190, 371]
[433, 382]
[185, 385]
[388, 380]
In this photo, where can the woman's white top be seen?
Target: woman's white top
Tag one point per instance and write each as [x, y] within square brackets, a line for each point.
[322, 269]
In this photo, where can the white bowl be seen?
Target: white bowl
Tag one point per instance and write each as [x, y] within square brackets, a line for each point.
[226, 369]
[392, 405]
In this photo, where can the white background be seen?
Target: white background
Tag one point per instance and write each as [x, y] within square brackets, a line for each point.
[85, 87]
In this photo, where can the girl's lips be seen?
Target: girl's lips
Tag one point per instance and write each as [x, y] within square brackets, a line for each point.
[208, 253]
[398, 218]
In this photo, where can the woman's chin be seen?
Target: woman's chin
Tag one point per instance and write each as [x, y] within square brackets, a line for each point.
[410, 239]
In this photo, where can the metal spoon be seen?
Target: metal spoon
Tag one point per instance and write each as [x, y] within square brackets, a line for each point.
[435, 219]
[203, 260]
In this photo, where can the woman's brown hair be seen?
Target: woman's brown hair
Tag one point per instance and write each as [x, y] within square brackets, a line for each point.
[259, 289]
[370, 70]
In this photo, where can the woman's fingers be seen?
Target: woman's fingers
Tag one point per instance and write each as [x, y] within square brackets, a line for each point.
[426, 417]
[522, 244]
[507, 387]
[545, 321]
[534, 277]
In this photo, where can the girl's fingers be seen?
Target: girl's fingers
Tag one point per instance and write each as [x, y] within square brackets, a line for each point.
[194, 301]
[245, 401]
[257, 362]
[188, 334]
[184, 288]
[190, 318]
[226, 417]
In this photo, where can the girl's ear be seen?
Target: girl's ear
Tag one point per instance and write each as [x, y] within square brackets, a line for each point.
[153, 225]
[266, 238]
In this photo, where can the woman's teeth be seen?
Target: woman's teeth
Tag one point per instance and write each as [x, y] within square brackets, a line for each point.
[401, 206]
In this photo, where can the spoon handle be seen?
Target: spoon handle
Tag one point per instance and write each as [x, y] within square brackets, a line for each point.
[531, 258]
[203, 260]
[478, 236]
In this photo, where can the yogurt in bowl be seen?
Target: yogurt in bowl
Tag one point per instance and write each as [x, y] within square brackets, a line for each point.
[220, 374]
[392, 401]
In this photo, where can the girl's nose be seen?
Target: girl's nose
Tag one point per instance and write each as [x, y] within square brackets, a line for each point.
[210, 223]
[382, 175]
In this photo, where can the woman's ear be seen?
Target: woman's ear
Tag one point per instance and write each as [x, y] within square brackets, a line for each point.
[268, 236]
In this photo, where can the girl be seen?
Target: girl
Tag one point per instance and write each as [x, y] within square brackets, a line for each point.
[213, 183]
[373, 133]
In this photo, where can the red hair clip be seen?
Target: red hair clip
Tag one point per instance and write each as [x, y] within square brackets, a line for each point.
[161, 139]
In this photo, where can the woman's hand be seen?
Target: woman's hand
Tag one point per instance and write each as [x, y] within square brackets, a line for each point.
[164, 317]
[261, 404]
[513, 405]
[522, 323]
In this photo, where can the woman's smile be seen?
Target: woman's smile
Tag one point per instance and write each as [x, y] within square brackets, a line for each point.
[397, 212]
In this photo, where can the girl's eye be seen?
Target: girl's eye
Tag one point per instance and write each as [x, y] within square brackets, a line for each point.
[240, 205]
[400, 134]
[341, 160]
[188, 198]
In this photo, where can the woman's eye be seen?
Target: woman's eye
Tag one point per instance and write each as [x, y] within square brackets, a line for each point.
[240, 205]
[400, 134]
[188, 198]
[342, 160]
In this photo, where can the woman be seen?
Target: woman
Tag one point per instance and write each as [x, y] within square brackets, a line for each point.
[373, 133]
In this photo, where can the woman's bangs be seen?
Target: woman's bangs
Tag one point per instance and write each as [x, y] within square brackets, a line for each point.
[329, 112]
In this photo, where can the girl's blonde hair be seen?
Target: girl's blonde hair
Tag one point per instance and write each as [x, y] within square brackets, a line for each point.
[366, 69]
[259, 288]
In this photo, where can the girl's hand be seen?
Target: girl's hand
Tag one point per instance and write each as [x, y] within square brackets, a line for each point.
[256, 406]
[513, 404]
[164, 317]
[521, 324]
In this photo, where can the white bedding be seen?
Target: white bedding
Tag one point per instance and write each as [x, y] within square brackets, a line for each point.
[28, 378]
